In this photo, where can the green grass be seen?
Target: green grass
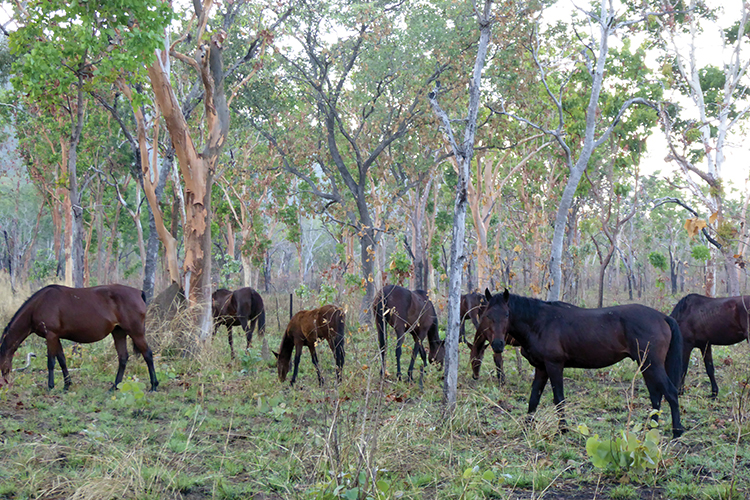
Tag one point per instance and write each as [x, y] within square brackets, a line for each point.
[224, 429]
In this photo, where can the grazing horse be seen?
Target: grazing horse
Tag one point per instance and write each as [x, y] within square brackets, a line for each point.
[408, 311]
[305, 329]
[83, 315]
[243, 307]
[555, 335]
[472, 307]
[705, 321]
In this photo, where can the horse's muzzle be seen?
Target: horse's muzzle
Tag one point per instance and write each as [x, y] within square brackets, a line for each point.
[497, 346]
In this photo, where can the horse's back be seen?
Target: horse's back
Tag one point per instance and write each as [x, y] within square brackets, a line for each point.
[718, 321]
[88, 314]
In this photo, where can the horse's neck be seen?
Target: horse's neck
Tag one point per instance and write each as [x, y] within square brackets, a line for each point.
[13, 336]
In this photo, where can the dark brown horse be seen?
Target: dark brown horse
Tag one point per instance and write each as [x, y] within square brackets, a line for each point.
[472, 307]
[243, 307]
[412, 312]
[83, 315]
[486, 337]
[305, 329]
[705, 321]
[555, 335]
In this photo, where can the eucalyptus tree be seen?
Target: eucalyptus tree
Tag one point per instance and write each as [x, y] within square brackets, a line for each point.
[558, 58]
[360, 72]
[65, 48]
[710, 94]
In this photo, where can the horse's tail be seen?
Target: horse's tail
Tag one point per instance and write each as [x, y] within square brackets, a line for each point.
[673, 362]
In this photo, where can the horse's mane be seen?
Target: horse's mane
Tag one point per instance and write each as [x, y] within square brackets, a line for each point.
[530, 307]
[3, 346]
[287, 345]
[681, 309]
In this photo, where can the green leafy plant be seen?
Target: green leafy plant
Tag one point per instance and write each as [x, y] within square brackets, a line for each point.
[328, 294]
[658, 260]
[400, 267]
[701, 253]
[131, 392]
[625, 450]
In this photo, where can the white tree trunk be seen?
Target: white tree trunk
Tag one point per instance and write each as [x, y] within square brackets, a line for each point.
[463, 156]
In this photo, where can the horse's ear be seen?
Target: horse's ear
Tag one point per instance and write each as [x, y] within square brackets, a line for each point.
[488, 294]
[506, 295]
[275, 354]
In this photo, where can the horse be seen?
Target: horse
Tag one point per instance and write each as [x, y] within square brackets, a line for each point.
[408, 311]
[555, 335]
[482, 339]
[472, 307]
[305, 329]
[243, 307]
[706, 321]
[83, 315]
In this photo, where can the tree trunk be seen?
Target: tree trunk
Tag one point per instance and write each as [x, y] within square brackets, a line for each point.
[464, 156]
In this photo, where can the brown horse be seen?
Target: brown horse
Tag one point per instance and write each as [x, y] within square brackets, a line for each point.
[305, 329]
[412, 312]
[243, 307]
[705, 321]
[472, 307]
[83, 315]
[555, 335]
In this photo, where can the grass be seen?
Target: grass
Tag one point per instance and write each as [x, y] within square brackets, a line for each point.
[228, 429]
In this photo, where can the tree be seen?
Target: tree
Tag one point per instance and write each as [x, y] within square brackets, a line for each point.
[463, 154]
[699, 131]
[592, 59]
[70, 47]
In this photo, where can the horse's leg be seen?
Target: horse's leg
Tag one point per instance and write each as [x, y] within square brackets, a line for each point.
[417, 349]
[64, 368]
[658, 385]
[53, 349]
[140, 343]
[246, 328]
[708, 362]
[399, 342]
[499, 368]
[555, 372]
[314, 356]
[249, 332]
[687, 349]
[121, 346]
[537, 387]
[230, 338]
[297, 357]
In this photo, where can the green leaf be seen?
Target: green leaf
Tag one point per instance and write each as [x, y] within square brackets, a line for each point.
[488, 476]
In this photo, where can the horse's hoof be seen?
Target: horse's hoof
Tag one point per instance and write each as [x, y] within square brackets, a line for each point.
[714, 395]
[676, 433]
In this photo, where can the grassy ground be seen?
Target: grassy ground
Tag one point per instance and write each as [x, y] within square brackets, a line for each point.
[228, 429]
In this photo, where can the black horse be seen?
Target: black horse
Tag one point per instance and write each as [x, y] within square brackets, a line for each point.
[705, 321]
[555, 335]
[412, 312]
[243, 307]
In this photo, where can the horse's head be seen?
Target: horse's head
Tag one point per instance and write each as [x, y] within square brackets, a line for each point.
[493, 327]
[437, 352]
